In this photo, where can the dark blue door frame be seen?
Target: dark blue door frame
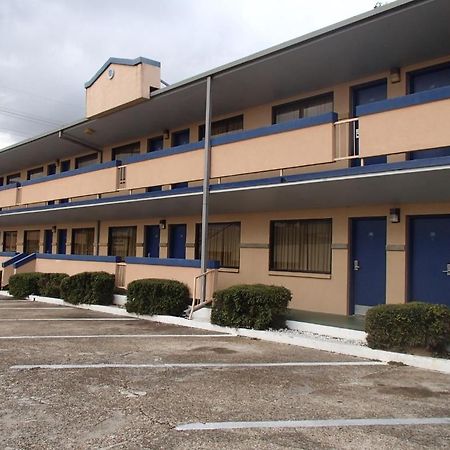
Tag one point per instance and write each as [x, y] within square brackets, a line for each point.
[62, 241]
[429, 259]
[48, 241]
[367, 265]
[177, 241]
[152, 241]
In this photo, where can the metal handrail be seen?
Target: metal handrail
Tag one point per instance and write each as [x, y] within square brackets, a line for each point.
[194, 293]
[346, 136]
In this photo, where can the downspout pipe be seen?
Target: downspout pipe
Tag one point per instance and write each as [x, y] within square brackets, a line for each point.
[205, 200]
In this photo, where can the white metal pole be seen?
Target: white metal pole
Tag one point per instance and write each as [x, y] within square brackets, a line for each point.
[205, 202]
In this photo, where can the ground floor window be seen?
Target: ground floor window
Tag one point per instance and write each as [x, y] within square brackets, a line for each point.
[31, 241]
[224, 241]
[301, 245]
[9, 241]
[122, 241]
[82, 241]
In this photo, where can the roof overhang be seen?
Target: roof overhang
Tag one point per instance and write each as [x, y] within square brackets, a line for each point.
[426, 182]
[399, 34]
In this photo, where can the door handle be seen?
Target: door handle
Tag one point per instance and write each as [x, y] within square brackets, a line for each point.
[355, 265]
[447, 271]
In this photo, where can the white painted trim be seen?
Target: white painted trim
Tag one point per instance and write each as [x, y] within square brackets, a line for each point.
[198, 365]
[202, 426]
[119, 300]
[422, 362]
[343, 333]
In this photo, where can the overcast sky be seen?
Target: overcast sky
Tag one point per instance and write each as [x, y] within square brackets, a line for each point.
[49, 48]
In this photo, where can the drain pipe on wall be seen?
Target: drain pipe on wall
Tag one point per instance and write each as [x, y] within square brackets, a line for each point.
[205, 201]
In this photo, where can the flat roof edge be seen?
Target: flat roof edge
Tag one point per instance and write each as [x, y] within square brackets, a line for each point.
[317, 34]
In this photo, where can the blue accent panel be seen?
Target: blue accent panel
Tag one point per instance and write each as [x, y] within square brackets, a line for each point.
[25, 260]
[108, 259]
[250, 183]
[74, 172]
[9, 186]
[419, 98]
[291, 125]
[8, 254]
[172, 262]
[122, 62]
[430, 153]
[14, 259]
[162, 153]
[368, 248]
[429, 258]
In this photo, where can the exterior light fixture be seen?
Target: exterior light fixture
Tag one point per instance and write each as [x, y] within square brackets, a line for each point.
[394, 215]
[162, 224]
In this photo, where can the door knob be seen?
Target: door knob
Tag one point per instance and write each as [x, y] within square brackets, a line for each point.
[447, 271]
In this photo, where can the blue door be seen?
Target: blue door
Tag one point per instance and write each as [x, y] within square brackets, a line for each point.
[177, 241]
[368, 263]
[363, 95]
[429, 259]
[48, 241]
[151, 249]
[62, 241]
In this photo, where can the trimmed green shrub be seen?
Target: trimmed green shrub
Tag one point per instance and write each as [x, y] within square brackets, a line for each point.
[22, 285]
[408, 326]
[95, 288]
[49, 284]
[157, 296]
[251, 306]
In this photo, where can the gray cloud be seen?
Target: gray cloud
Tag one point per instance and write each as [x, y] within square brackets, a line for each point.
[49, 48]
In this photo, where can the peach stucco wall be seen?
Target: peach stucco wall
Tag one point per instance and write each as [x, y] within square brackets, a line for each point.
[406, 129]
[73, 267]
[8, 197]
[130, 83]
[90, 183]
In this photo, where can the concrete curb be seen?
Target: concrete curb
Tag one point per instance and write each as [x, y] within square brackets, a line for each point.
[421, 362]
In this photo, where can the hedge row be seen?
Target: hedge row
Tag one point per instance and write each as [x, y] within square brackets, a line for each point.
[87, 287]
[251, 306]
[157, 296]
[408, 326]
[95, 288]
[22, 285]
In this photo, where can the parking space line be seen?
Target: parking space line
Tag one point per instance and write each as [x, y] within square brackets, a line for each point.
[94, 336]
[314, 423]
[25, 308]
[197, 365]
[54, 319]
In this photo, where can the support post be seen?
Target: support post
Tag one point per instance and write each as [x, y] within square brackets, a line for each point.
[205, 201]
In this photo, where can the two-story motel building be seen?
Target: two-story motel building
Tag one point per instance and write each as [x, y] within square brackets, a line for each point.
[329, 170]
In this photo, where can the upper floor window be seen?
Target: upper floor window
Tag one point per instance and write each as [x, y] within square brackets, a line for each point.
[124, 151]
[122, 241]
[429, 78]
[224, 240]
[83, 241]
[9, 241]
[301, 245]
[35, 173]
[308, 107]
[15, 177]
[156, 143]
[223, 126]
[86, 160]
[180, 137]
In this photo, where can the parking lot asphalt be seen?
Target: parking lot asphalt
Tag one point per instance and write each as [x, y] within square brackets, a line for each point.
[78, 379]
